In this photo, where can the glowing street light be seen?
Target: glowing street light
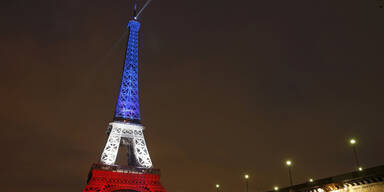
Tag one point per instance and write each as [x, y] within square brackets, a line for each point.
[353, 143]
[360, 168]
[217, 187]
[289, 165]
[310, 180]
[276, 188]
[246, 177]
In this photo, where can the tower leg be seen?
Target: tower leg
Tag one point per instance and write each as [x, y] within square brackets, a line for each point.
[112, 147]
[141, 152]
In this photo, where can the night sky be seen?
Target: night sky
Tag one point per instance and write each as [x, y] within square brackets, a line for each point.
[226, 88]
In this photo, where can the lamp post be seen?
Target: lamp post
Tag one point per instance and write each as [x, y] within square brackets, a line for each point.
[217, 187]
[289, 165]
[246, 177]
[353, 143]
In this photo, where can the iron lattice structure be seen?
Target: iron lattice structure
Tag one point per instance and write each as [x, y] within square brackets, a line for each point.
[128, 135]
[110, 178]
[107, 181]
[127, 106]
[126, 131]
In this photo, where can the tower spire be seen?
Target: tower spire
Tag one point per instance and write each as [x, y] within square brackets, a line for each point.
[127, 105]
[135, 10]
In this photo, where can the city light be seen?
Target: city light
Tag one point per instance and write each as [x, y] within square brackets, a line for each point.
[310, 180]
[360, 168]
[217, 186]
[289, 165]
[353, 143]
[246, 177]
[276, 188]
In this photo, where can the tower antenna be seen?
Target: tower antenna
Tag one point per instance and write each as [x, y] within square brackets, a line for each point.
[134, 9]
[142, 9]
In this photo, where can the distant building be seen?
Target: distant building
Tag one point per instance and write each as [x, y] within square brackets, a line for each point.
[367, 180]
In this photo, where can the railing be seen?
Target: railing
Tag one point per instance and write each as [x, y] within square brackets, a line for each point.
[125, 169]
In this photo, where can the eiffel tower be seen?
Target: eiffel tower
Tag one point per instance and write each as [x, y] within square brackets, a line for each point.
[126, 131]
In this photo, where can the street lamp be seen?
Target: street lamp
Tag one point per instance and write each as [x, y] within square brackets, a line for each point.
[246, 177]
[289, 165]
[276, 188]
[360, 168]
[310, 180]
[217, 187]
[353, 143]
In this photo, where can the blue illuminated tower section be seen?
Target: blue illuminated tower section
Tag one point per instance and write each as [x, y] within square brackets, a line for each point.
[127, 106]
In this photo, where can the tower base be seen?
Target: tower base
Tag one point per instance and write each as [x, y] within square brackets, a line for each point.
[105, 178]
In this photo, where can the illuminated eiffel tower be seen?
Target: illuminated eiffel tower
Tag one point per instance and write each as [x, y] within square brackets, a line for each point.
[126, 131]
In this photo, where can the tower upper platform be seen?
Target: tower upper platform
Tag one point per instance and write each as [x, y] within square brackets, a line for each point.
[127, 106]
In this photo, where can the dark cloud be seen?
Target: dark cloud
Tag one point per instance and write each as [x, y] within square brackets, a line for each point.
[226, 87]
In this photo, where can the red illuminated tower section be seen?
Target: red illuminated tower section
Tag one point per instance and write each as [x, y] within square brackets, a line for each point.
[126, 131]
